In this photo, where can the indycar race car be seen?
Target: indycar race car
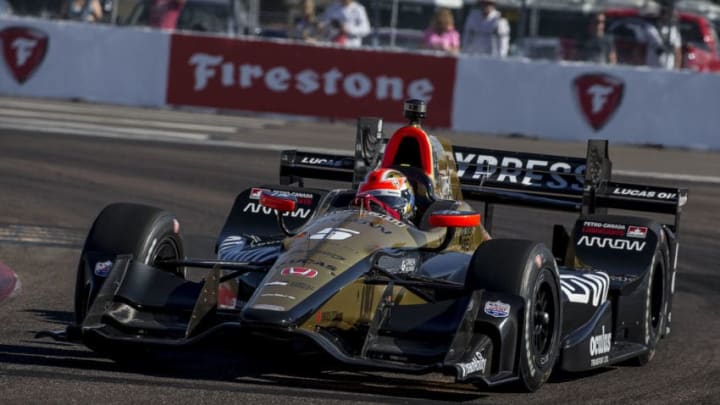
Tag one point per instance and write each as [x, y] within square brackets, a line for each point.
[329, 271]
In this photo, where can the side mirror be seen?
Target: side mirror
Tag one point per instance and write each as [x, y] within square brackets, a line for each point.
[454, 219]
[283, 202]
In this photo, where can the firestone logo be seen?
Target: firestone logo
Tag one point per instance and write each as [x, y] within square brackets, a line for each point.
[599, 95]
[24, 50]
[280, 79]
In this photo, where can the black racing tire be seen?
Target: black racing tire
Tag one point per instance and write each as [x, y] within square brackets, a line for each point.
[145, 232]
[526, 269]
[655, 314]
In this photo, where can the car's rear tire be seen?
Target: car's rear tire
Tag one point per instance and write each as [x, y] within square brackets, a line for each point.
[147, 233]
[526, 269]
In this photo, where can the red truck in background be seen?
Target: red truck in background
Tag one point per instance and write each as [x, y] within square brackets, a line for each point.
[700, 46]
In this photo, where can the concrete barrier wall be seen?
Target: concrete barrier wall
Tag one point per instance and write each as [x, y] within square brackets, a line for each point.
[582, 101]
[108, 64]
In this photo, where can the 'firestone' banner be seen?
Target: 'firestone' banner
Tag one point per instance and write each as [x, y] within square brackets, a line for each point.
[306, 80]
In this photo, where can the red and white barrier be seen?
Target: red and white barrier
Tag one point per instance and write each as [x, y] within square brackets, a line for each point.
[469, 93]
[289, 78]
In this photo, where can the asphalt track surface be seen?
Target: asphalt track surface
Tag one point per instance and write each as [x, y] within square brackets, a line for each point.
[54, 179]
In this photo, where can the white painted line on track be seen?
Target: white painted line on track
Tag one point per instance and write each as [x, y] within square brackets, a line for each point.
[106, 120]
[101, 131]
[89, 108]
[176, 139]
[204, 140]
[40, 234]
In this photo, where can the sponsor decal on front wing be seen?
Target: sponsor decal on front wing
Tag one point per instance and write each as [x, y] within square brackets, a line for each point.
[497, 309]
[102, 269]
[476, 365]
[600, 345]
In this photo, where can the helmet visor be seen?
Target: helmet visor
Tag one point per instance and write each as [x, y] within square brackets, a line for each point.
[400, 201]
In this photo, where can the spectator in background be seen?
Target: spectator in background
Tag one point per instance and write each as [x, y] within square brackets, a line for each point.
[306, 26]
[335, 33]
[665, 45]
[596, 46]
[442, 35]
[164, 13]
[347, 22]
[486, 31]
[83, 10]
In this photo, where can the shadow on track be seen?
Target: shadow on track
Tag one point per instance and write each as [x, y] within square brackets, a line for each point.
[216, 368]
[51, 316]
[256, 369]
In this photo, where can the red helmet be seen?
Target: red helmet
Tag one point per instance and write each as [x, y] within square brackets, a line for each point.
[393, 189]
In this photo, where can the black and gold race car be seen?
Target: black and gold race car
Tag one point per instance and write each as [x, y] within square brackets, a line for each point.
[436, 294]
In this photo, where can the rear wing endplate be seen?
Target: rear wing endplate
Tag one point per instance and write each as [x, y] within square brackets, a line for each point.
[369, 145]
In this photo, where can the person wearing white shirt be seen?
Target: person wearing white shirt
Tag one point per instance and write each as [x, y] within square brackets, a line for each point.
[486, 31]
[664, 47]
[351, 18]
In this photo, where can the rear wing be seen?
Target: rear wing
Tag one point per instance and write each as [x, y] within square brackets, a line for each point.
[559, 182]
[504, 177]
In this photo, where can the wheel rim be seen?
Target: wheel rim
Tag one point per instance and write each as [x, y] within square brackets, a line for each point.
[167, 249]
[543, 320]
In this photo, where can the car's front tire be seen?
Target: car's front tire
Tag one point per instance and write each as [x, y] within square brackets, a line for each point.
[526, 269]
[148, 234]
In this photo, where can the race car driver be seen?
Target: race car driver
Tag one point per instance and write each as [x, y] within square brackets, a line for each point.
[390, 190]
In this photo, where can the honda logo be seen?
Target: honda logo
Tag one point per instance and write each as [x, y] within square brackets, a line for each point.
[299, 271]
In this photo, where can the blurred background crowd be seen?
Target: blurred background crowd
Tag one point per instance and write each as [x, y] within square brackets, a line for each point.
[670, 34]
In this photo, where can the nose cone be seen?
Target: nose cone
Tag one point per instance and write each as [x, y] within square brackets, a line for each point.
[319, 262]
